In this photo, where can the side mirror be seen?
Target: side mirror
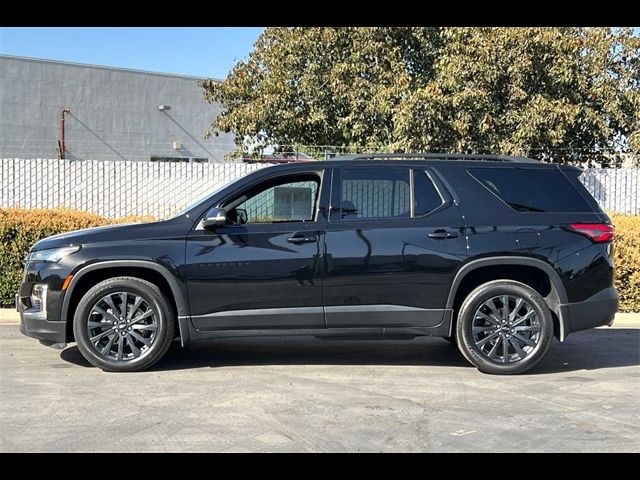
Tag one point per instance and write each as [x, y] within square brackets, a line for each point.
[214, 218]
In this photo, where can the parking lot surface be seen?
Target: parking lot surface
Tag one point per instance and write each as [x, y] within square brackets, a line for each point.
[304, 394]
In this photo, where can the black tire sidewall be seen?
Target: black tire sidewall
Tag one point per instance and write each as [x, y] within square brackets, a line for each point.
[465, 320]
[147, 290]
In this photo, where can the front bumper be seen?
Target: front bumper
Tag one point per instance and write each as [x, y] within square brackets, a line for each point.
[596, 311]
[36, 325]
[44, 322]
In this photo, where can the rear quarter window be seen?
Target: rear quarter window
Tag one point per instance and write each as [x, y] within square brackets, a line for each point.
[532, 190]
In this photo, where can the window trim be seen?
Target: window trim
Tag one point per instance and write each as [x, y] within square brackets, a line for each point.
[443, 200]
[412, 195]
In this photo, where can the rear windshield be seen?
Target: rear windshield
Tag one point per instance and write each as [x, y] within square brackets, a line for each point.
[532, 190]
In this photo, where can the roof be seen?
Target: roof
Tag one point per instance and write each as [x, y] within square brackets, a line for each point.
[280, 158]
[102, 67]
[435, 156]
[414, 160]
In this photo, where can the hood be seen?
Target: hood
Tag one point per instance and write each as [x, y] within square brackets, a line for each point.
[116, 233]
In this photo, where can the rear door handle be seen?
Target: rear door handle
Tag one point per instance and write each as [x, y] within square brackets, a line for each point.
[442, 234]
[297, 239]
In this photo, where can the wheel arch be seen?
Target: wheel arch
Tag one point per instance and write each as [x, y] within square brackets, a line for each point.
[111, 268]
[556, 296]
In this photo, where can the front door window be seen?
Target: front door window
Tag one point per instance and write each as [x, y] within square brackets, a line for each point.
[288, 200]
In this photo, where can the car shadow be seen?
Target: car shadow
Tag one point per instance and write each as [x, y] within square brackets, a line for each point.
[588, 350]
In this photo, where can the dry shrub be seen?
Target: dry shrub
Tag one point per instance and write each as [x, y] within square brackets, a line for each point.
[626, 260]
[21, 228]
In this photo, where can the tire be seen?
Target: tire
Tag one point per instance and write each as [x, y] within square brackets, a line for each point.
[478, 320]
[144, 333]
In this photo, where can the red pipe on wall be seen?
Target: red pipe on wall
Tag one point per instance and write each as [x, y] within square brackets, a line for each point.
[63, 146]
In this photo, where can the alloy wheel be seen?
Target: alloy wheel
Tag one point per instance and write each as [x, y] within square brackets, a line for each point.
[122, 326]
[506, 329]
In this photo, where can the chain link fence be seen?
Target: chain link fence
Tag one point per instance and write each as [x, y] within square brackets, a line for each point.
[162, 189]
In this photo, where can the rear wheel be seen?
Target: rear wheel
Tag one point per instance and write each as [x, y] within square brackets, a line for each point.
[504, 327]
[123, 324]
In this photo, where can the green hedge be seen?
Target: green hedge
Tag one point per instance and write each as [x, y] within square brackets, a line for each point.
[19, 229]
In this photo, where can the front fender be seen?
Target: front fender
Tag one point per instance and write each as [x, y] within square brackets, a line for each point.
[182, 305]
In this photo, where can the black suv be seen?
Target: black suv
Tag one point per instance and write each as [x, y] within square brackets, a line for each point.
[495, 254]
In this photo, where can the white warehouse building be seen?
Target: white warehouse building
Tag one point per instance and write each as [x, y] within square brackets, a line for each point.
[52, 109]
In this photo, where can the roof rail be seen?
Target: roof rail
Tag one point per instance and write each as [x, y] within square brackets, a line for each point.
[435, 156]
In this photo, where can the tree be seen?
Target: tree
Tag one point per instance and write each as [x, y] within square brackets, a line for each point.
[555, 93]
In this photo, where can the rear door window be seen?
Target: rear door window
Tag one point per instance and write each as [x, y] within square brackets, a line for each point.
[374, 193]
[532, 190]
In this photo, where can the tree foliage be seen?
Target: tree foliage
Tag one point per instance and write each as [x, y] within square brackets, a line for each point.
[558, 93]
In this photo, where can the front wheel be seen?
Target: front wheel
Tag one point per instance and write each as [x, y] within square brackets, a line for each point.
[123, 324]
[504, 327]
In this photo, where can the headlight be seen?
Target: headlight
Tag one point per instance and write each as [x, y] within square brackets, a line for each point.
[52, 254]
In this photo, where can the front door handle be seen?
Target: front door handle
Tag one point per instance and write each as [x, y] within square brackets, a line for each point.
[442, 234]
[297, 239]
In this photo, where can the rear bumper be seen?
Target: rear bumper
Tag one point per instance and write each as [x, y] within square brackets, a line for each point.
[596, 311]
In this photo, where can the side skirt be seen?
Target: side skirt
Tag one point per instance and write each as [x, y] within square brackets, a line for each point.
[352, 333]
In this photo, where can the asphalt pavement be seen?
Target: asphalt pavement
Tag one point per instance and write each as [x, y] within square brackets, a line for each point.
[303, 394]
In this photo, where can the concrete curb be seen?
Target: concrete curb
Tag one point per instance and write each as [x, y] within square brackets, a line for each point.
[8, 316]
[631, 320]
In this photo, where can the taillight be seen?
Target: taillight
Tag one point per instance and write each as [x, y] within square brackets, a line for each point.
[597, 232]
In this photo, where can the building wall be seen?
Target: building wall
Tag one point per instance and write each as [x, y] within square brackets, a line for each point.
[113, 113]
